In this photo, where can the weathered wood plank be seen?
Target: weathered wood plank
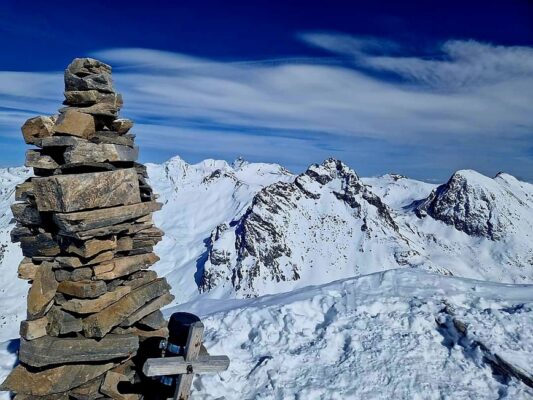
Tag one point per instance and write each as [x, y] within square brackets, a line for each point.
[178, 365]
[192, 350]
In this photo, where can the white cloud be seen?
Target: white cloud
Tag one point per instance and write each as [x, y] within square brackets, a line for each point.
[466, 93]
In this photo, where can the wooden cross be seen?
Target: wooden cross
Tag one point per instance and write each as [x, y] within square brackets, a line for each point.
[186, 366]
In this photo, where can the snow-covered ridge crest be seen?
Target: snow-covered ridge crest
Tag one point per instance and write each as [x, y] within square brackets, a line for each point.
[398, 334]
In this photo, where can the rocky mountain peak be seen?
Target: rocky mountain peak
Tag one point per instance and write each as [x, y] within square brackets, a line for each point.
[476, 204]
[281, 236]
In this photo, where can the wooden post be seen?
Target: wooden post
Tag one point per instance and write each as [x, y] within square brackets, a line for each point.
[194, 361]
[192, 350]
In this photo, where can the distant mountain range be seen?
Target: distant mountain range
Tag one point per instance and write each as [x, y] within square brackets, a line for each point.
[321, 243]
[248, 229]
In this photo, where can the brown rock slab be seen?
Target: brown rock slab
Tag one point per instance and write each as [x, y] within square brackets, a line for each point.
[42, 291]
[33, 329]
[35, 159]
[99, 324]
[125, 243]
[149, 308]
[122, 125]
[49, 350]
[27, 269]
[37, 128]
[52, 380]
[127, 228]
[82, 289]
[90, 248]
[142, 333]
[75, 123]
[86, 306]
[85, 152]
[94, 219]
[107, 105]
[76, 262]
[124, 266]
[67, 193]
[140, 278]
[89, 390]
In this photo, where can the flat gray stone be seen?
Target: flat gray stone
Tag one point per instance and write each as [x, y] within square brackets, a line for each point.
[111, 137]
[52, 380]
[61, 141]
[82, 289]
[85, 152]
[26, 214]
[49, 350]
[34, 159]
[93, 219]
[99, 324]
[61, 322]
[68, 193]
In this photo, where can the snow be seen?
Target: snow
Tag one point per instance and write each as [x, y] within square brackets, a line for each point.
[373, 336]
[196, 198]
[353, 325]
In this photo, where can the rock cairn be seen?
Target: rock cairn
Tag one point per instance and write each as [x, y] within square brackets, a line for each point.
[84, 222]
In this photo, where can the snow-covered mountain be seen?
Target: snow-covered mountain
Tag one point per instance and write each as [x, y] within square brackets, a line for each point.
[329, 224]
[481, 206]
[324, 225]
[249, 229]
[241, 230]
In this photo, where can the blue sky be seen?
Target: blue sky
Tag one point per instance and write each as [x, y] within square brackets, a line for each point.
[420, 88]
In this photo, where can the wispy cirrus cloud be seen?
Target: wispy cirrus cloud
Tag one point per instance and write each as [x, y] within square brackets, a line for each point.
[372, 103]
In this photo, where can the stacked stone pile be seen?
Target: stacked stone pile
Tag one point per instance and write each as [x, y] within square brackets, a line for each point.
[84, 222]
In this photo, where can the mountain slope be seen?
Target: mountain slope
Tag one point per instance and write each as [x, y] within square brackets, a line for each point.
[398, 334]
[196, 198]
[247, 229]
[329, 224]
[481, 206]
[323, 226]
